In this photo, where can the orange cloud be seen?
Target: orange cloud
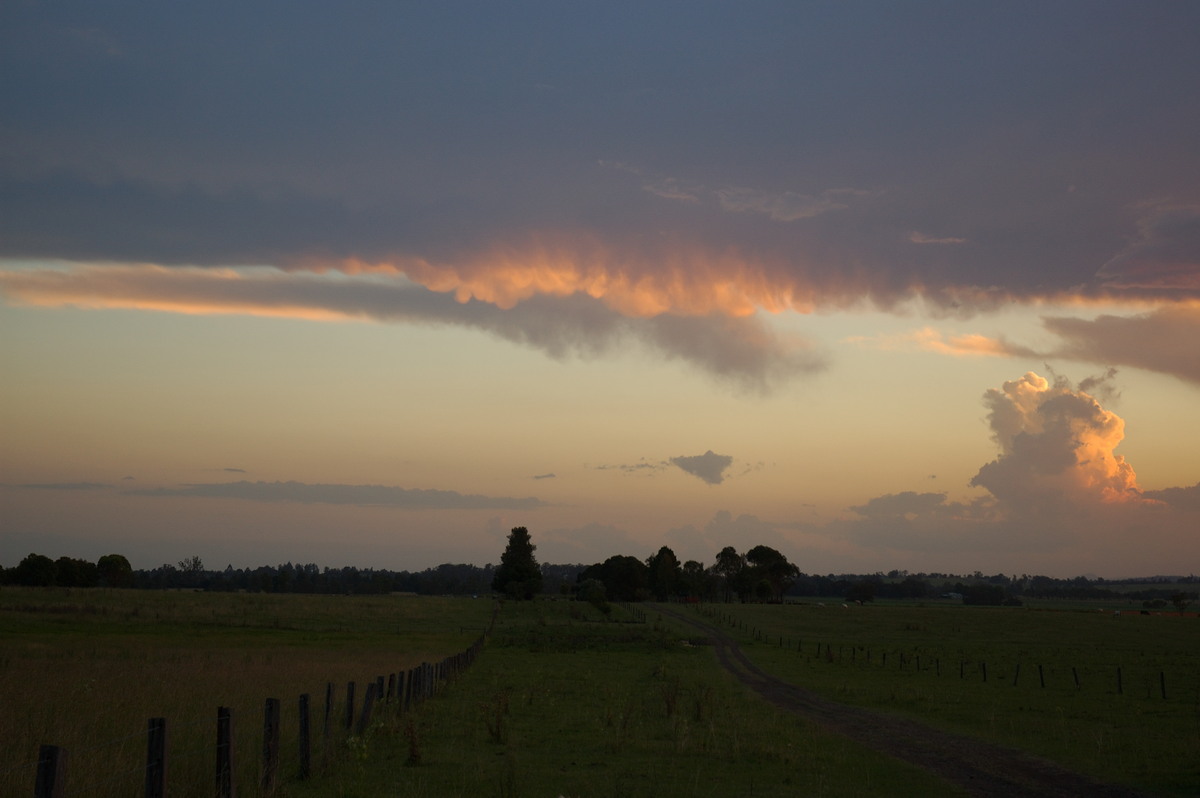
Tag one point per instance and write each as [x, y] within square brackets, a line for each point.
[1056, 443]
[930, 340]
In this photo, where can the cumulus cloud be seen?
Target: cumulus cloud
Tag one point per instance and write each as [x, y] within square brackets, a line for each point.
[1057, 488]
[1055, 444]
[709, 466]
[363, 495]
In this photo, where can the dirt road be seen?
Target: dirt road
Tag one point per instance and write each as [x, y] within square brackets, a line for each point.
[979, 767]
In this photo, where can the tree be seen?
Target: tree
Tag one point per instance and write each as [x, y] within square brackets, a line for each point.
[36, 570]
[114, 571]
[519, 574]
[624, 578]
[767, 564]
[729, 567]
[664, 573]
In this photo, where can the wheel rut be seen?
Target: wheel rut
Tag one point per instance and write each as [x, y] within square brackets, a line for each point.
[980, 768]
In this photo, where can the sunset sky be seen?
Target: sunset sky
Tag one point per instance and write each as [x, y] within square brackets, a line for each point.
[881, 285]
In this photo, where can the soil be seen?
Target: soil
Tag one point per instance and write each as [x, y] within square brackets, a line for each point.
[979, 767]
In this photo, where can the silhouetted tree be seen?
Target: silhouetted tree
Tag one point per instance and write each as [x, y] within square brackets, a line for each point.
[114, 571]
[519, 575]
[767, 564]
[624, 578]
[729, 567]
[70, 572]
[664, 572]
[36, 570]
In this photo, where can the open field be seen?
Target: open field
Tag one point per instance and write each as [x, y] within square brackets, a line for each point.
[563, 702]
[957, 668]
[85, 669]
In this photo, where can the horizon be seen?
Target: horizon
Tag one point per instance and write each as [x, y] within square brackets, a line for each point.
[882, 287]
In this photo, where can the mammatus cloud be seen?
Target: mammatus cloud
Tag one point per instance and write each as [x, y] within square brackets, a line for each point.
[364, 495]
[738, 348]
[709, 467]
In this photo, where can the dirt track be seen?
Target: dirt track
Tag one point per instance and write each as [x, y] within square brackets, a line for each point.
[979, 767]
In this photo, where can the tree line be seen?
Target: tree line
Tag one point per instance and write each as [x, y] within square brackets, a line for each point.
[761, 574]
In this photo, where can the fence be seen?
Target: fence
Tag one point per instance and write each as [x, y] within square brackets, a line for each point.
[398, 692]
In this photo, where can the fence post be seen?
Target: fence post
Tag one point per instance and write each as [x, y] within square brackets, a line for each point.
[368, 704]
[305, 739]
[225, 783]
[378, 688]
[328, 725]
[1119, 690]
[1016, 674]
[270, 770]
[156, 758]
[1041, 677]
[51, 779]
[349, 705]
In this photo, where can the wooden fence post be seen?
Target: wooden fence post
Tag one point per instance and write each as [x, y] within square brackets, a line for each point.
[328, 725]
[1119, 690]
[156, 758]
[225, 784]
[378, 688]
[1041, 677]
[51, 779]
[305, 740]
[368, 704]
[270, 771]
[349, 705]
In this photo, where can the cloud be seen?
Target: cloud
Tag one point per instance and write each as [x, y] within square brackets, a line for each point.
[784, 206]
[920, 238]
[738, 349]
[544, 476]
[1166, 254]
[66, 486]
[929, 339]
[1056, 444]
[1180, 498]
[362, 495]
[1056, 488]
[1166, 340]
[709, 467]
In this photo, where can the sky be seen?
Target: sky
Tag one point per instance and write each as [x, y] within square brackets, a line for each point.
[881, 285]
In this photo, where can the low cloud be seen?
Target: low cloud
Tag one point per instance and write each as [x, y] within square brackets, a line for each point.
[66, 485]
[920, 238]
[709, 466]
[362, 495]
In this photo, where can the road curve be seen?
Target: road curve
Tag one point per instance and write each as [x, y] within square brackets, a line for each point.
[980, 768]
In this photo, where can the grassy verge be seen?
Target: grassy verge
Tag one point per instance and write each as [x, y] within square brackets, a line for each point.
[1043, 681]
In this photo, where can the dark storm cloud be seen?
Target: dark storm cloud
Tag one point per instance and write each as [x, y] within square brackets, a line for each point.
[363, 495]
[1022, 140]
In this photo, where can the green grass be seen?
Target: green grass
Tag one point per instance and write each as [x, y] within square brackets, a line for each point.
[86, 669]
[563, 703]
[1135, 736]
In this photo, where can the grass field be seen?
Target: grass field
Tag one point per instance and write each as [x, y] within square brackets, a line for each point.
[563, 702]
[86, 669]
[957, 667]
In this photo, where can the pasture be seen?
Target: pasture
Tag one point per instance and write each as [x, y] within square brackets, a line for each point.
[85, 669]
[1083, 688]
[567, 701]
